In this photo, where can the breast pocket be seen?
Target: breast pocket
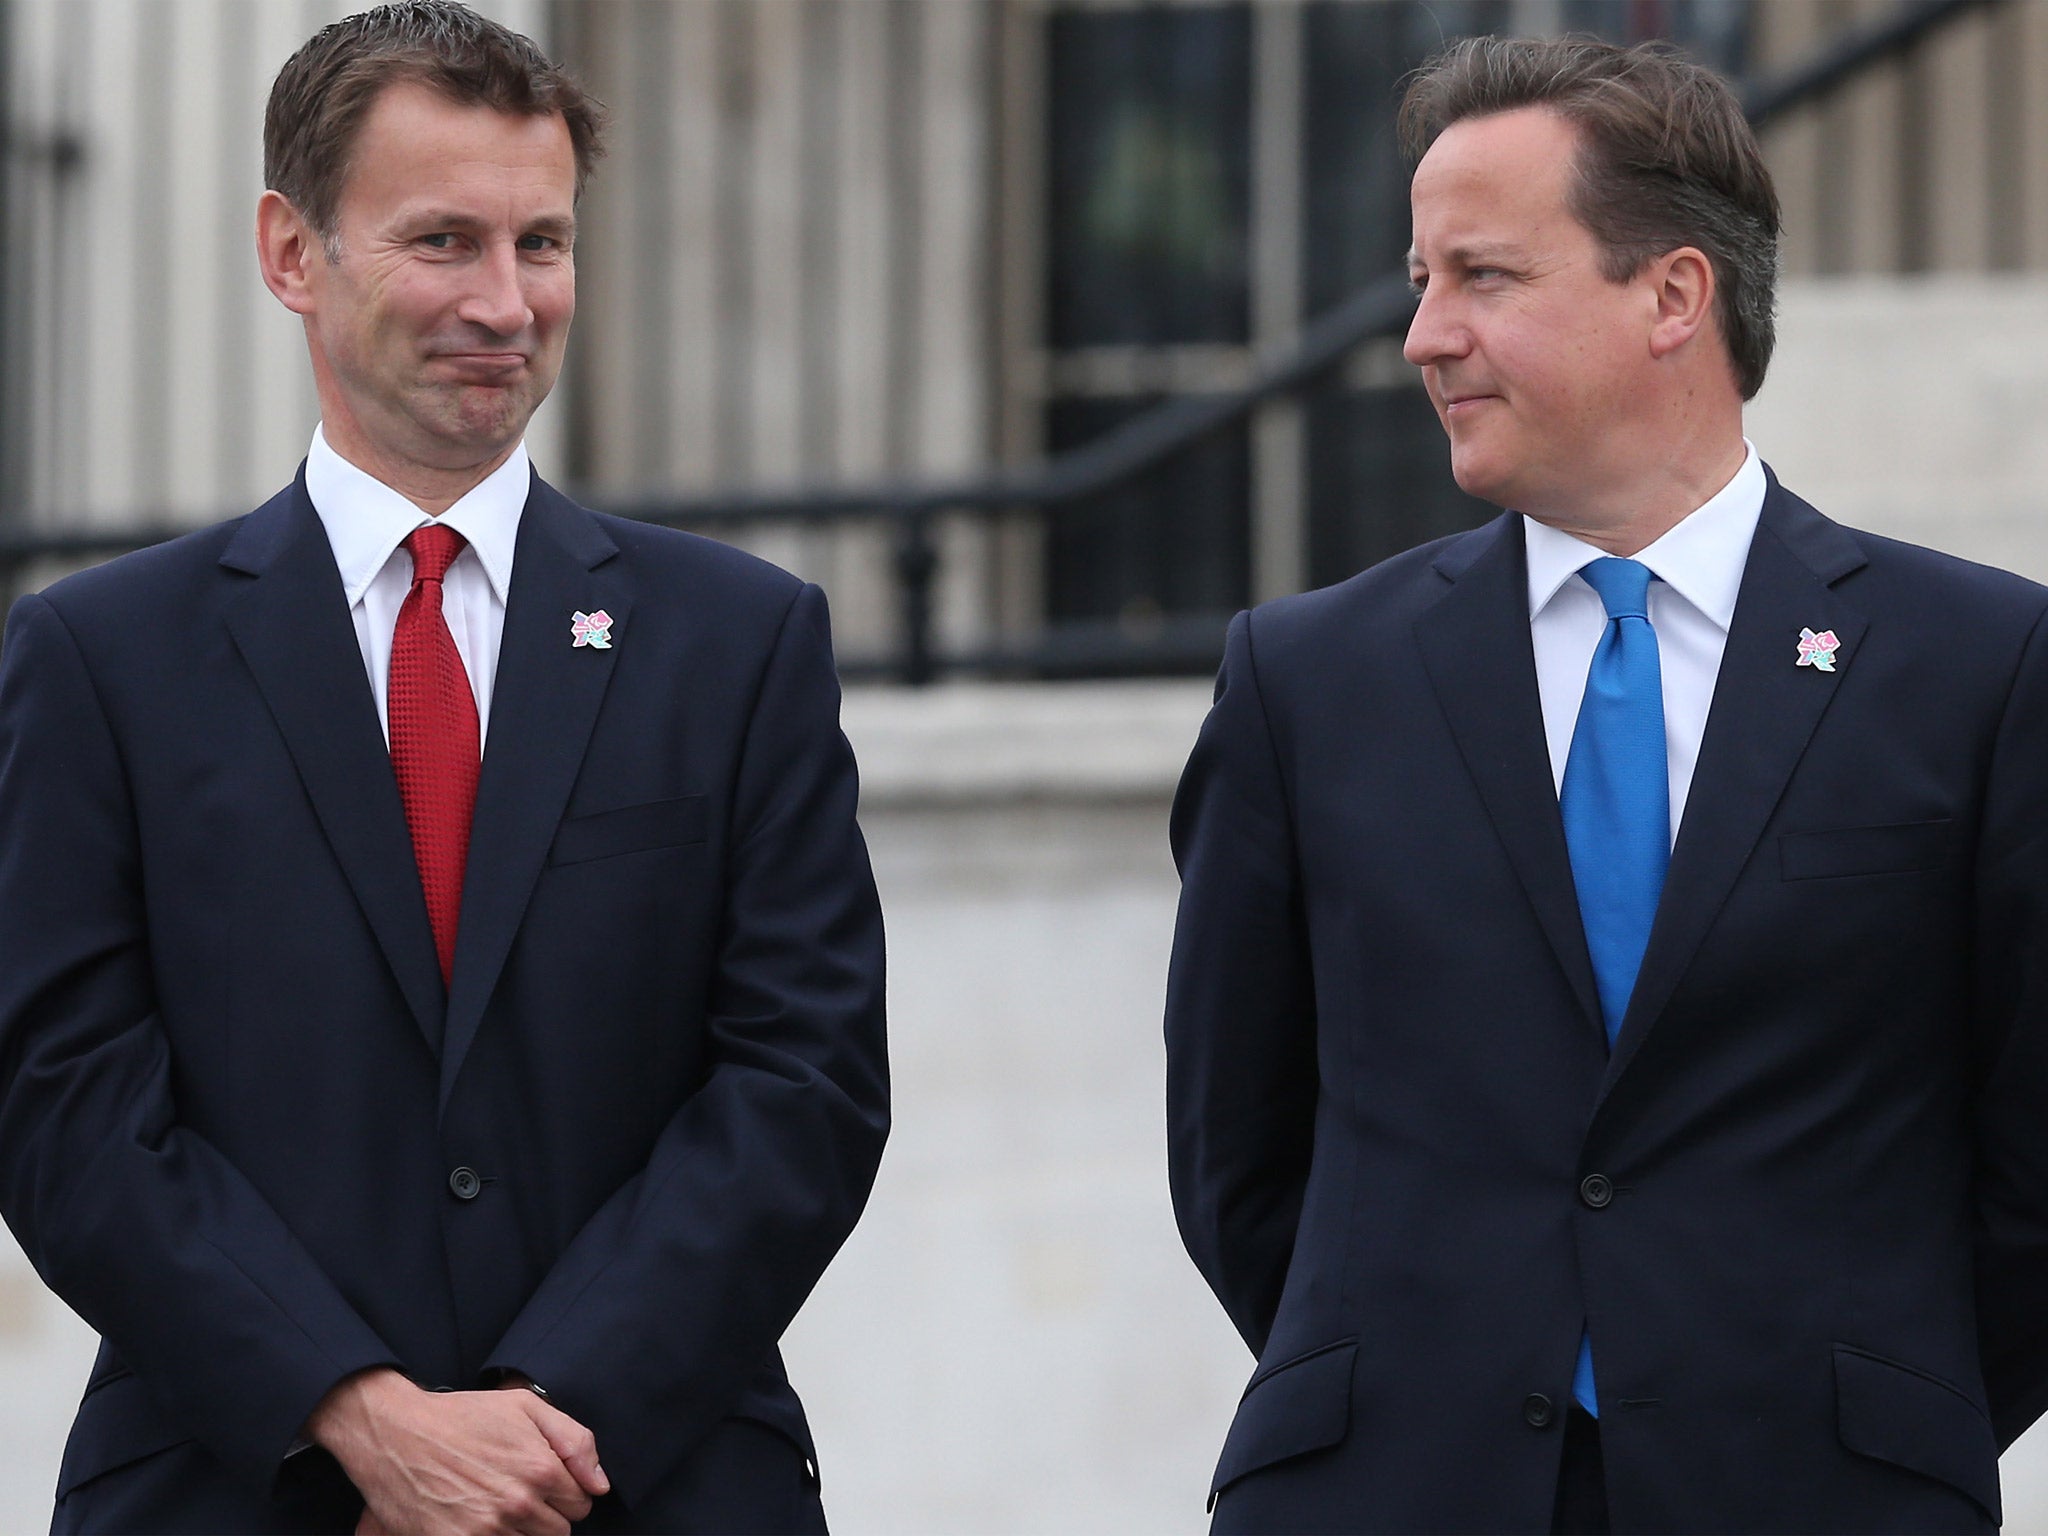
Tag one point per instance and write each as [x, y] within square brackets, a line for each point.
[630, 829]
[1900, 848]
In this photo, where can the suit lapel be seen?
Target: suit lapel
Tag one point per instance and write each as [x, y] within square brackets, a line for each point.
[291, 624]
[1476, 646]
[543, 707]
[1764, 713]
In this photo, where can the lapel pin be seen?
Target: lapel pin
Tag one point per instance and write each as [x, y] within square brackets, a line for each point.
[1816, 651]
[595, 631]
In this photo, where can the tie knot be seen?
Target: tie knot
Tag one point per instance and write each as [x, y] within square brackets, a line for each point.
[434, 548]
[1623, 585]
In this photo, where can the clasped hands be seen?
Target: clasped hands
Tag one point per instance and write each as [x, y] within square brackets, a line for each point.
[487, 1463]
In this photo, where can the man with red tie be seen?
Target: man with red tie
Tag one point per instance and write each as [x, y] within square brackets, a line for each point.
[441, 1021]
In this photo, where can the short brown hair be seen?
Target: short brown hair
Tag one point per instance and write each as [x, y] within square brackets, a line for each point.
[1666, 158]
[321, 96]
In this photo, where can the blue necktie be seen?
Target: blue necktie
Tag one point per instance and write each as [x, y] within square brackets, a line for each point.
[1616, 802]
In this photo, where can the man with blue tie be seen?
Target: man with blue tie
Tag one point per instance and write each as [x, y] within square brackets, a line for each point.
[441, 1015]
[1608, 1021]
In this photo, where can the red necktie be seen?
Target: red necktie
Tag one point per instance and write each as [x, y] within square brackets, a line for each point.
[434, 747]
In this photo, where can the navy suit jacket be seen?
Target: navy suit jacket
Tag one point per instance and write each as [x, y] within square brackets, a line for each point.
[1800, 1203]
[234, 1097]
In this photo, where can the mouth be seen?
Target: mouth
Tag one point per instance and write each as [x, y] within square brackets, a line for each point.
[1463, 409]
[1456, 402]
[483, 367]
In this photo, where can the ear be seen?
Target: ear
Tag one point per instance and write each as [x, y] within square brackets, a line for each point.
[288, 253]
[1682, 282]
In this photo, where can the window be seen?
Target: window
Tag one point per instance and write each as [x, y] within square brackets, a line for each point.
[1148, 237]
[1215, 174]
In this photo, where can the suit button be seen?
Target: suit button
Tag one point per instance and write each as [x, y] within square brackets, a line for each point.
[463, 1184]
[1537, 1410]
[1596, 1189]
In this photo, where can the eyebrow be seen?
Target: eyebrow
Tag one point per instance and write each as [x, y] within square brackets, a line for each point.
[1472, 255]
[448, 218]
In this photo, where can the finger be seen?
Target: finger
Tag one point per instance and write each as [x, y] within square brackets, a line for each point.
[571, 1508]
[552, 1484]
[544, 1520]
[566, 1498]
[576, 1446]
[370, 1525]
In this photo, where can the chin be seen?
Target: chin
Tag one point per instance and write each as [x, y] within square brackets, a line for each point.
[487, 423]
[1476, 477]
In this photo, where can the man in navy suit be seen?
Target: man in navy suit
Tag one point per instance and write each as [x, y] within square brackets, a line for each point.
[441, 1032]
[1605, 1032]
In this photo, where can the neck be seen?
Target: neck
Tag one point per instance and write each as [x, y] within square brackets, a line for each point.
[1662, 498]
[432, 488]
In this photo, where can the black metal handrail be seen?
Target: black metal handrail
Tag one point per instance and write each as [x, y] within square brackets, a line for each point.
[1148, 440]
[1848, 56]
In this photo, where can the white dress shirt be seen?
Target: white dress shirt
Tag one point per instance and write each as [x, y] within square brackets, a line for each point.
[1698, 569]
[368, 523]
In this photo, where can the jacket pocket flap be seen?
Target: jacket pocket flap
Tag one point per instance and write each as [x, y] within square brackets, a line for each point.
[118, 1423]
[1913, 1420]
[629, 829]
[1893, 850]
[769, 1401]
[1299, 1406]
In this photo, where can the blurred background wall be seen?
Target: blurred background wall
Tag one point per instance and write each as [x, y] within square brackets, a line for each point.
[845, 247]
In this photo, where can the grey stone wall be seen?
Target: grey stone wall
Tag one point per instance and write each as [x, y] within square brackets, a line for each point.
[1917, 407]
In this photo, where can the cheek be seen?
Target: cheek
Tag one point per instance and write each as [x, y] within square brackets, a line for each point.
[552, 298]
[1533, 367]
[396, 318]
[1611, 376]
[1564, 378]
[1607, 346]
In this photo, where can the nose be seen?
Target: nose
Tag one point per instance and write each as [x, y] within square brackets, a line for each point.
[1437, 332]
[497, 298]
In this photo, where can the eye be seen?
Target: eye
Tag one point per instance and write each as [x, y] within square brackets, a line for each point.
[441, 241]
[539, 243]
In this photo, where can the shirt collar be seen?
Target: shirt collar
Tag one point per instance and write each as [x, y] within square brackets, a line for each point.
[366, 519]
[1701, 558]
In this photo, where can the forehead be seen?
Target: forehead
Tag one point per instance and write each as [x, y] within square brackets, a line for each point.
[1499, 178]
[414, 143]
